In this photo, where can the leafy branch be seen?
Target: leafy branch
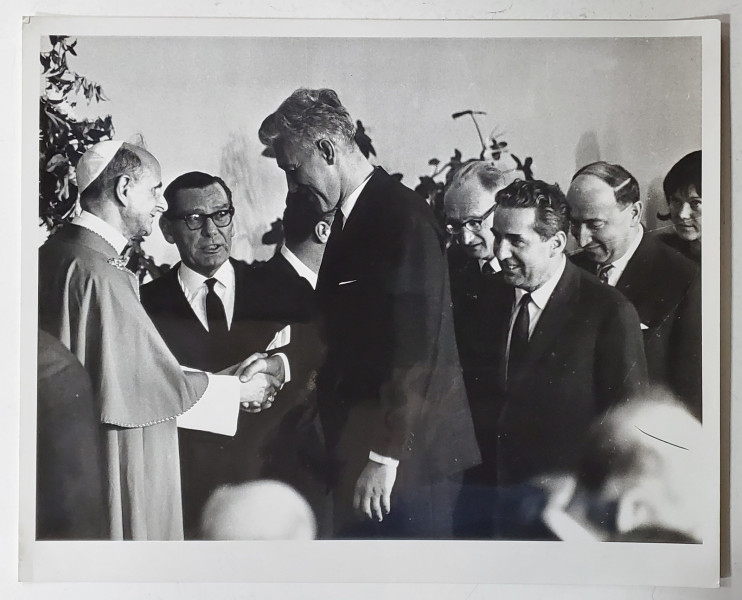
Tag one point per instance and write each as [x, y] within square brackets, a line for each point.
[64, 138]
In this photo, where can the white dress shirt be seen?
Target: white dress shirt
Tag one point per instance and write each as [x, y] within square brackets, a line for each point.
[218, 407]
[301, 269]
[347, 207]
[619, 265]
[194, 288]
[539, 300]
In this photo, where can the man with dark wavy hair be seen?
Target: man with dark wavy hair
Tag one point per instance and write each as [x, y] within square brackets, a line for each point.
[570, 347]
[390, 393]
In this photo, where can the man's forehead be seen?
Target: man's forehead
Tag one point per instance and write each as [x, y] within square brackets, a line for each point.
[514, 220]
[470, 199]
[206, 198]
[588, 192]
[287, 151]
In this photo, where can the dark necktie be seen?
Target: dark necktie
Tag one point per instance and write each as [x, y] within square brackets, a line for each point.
[488, 269]
[337, 222]
[604, 272]
[215, 314]
[519, 337]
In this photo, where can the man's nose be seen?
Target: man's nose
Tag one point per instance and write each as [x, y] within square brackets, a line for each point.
[502, 250]
[209, 228]
[161, 203]
[466, 237]
[581, 234]
[685, 211]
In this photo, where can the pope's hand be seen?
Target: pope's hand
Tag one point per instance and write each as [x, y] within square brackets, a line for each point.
[374, 490]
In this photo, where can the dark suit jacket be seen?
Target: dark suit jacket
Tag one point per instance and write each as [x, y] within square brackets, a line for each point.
[392, 381]
[209, 460]
[475, 322]
[584, 355]
[665, 289]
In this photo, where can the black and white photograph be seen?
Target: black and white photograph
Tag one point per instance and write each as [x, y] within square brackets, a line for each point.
[415, 294]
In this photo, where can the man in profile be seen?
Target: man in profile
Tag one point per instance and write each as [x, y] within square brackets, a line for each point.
[88, 300]
[570, 347]
[391, 397]
[663, 285]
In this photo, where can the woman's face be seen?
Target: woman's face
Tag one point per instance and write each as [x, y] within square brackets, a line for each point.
[685, 213]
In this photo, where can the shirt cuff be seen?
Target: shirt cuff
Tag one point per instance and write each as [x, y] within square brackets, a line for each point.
[384, 460]
[286, 368]
[218, 408]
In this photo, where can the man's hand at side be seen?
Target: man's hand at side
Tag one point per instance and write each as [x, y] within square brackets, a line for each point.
[374, 490]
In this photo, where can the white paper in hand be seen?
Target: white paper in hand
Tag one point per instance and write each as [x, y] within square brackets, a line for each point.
[281, 339]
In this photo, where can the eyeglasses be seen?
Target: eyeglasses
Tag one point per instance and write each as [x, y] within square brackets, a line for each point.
[474, 224]
[194, 221]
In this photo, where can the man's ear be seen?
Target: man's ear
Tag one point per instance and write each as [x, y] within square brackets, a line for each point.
[322, 231]
[165, 225]
[559, 241]
[636, 212]
[122, 188]
[327, 150]
[634, 510]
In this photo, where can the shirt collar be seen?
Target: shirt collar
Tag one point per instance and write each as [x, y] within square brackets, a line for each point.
[493, 262]
[193, 281]
[541, 295]
[620, 263]
[302, 269]
[351, 200]
[98, 226]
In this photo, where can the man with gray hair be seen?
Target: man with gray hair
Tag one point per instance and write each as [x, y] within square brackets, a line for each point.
[390, 394]
[469, 203]
[88, 300]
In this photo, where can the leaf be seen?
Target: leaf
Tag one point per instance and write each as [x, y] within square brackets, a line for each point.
[434, 162]
[456, 155]
[502, 145]
[54, 162]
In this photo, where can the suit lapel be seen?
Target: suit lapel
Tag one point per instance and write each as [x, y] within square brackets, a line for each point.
[552, 319]
[639, 276]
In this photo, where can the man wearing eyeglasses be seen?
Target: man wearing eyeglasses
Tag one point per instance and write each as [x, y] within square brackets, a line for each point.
[210, 311]
[662, 284]
[469, 202]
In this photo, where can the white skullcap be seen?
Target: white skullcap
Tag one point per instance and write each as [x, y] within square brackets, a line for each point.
[95, 159]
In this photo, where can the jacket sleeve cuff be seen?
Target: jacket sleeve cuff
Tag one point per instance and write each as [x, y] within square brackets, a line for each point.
[384, 460]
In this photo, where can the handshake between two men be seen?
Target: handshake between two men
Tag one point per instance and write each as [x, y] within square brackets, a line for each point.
[261, 377]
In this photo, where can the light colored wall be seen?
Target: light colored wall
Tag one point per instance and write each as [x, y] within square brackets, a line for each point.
[198, 102]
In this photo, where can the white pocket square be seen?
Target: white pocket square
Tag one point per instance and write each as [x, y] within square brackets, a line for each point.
[643, 326]
[347, 282]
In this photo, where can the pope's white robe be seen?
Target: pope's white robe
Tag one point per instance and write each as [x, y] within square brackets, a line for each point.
[90, 302]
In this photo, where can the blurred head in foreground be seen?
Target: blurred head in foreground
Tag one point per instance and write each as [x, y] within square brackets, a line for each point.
[257, 510]
[640, 474]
